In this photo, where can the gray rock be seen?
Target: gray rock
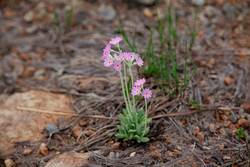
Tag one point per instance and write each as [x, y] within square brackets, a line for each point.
[39, 72]
[210, 11]
[223, 132]
[241, 111]
[59, 72]
[42, 163]
[63, 123]
[1, 72]
[248, 138]
[66, 83]
[146, 2]
[229, 10]
[52, 128]
[10, 77]
[212, 128]
[198, 2]
[240, 18]
[233, 118]
[107, 12]
[206, 148]
[244, 115]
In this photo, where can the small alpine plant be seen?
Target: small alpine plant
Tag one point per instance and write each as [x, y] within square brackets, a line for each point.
[133, 123]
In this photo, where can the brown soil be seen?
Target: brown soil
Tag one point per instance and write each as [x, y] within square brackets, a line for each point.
[36, 56]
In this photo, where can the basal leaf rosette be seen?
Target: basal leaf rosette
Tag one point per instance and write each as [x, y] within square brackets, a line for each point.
[133, 127]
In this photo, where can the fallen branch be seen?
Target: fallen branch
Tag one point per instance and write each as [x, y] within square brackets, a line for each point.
[63, 113]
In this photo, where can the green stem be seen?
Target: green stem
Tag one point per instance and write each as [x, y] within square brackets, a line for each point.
[114, 51]
[132, 80]
[146, 115]
[123, 91]
[125, 76]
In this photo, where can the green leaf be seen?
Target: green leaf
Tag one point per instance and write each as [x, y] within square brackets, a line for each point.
[149, 120]
[131, 131]
[146, 131]
[125, 112]
[120, 136]
[123, 119]
[198, 107]
[144, 139]
[241, 133]
[121, 129]
[139, 130]
[136, 137]
[192, 102]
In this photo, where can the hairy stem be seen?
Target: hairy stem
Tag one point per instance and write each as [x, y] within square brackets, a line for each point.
[132, 80]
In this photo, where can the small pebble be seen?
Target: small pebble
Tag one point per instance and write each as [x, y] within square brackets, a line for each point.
[52, 129]
[169, 153]
[223, 132]
[233, 118]
[245, 107]
[132, 154]
[221, 147]
[157, 155]
[27, 151]
[84, 123]
[226, 157]
[111, 155]
[9, 162]
[42, 163]
[204, 143]
[206, 148]
[116, 145]
[168, 140]
[212, 128]
[201, 136]
[77, 130]
[243, 123]
[63, 123]
[149, 163]
[192, 120]
[198, 2]
[106, 12]
[226, 123]
[196, 130]
[233, 128]
[244, 115]
[29, 16]
[241, 111]
[228, 80]
[39, 73]
[89, 132]
[43, 149]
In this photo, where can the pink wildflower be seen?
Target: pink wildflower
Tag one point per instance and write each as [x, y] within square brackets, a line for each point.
[140, 82]
[120, 57]
[127, 56]
[115, 41]
[117, 66]
[136, 91]
[147, 93]
[134, 55]
[106, 51]
[139, 61]
[108, 62]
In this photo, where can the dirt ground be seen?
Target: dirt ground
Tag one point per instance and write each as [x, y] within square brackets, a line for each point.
[48, 67]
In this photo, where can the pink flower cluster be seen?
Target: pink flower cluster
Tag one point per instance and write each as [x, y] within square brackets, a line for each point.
[109, 59]
[138, 88]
